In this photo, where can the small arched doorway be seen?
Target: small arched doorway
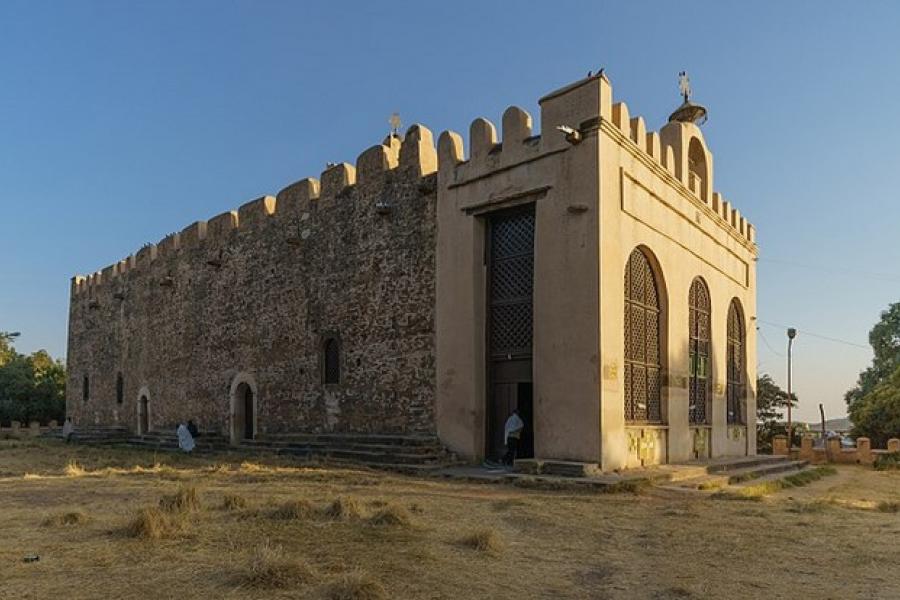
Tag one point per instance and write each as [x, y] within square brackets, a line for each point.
[143, 411]
[244, 401]
[245, 395]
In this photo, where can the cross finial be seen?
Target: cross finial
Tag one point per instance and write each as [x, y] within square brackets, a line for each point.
[395, 124]
[684, 85]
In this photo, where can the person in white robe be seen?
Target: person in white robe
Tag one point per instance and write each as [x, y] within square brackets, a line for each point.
[512, 432]
[185, 439]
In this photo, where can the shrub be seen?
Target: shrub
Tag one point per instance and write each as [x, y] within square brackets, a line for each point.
[888, 462]
[186, 499]
[356, 585]
[270, 568]
[484, 540]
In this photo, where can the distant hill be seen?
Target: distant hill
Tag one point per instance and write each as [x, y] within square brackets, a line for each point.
[841, 424]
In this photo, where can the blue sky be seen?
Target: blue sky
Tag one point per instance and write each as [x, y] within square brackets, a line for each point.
[123, 121]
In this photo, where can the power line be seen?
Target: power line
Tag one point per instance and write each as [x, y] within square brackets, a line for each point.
[768, 345]
[816, 335]
[871, 275]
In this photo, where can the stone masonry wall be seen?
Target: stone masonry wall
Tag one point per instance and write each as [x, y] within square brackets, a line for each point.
[257, 291]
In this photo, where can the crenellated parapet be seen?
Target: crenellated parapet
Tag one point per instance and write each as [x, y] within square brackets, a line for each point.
[677, 153]
[414, 158]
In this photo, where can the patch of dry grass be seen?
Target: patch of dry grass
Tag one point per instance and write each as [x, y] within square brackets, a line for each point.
[356, 585]
[293, 509]
[75, 517]
[186, 499]
[344, 508]
[271, 567]
[392, 515]
[234, 502]
[73, 469]
[154, 524]
[483, 540]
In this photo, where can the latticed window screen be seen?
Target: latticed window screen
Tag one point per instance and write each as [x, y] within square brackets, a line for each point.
[332, 361]
[511, 284]
[120, 389]
[699, 324]
[736, 388]
[642, 352]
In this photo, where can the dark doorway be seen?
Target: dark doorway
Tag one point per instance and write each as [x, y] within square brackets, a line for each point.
[248, 413]
[144, 418]
[510, 270]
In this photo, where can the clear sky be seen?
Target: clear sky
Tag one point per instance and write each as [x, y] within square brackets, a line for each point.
[121, 122]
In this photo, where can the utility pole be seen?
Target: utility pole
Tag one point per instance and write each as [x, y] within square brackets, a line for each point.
[791, 333]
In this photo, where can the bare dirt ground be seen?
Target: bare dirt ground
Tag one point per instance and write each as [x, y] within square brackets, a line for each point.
[836, 538]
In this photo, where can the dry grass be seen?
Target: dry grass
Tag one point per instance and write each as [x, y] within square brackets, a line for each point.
[271, 567]
[484, 540]
[73, 469]
[392, 515]
[344, 508]
[234, 502]
[155, 524]
[542, 544]
[357, 585]
[186, 499]
[293, 509]
[75, 517]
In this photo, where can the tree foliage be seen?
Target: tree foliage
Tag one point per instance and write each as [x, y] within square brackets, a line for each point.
[877, 414]
[771, 402]
[32, 388]
[874, 404]
[885, 341]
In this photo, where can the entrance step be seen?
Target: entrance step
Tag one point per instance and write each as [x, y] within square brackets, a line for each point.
[559, 468]
[395, 450]
[717, 478]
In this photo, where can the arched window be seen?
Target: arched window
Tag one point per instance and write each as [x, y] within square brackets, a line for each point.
[85, 389]
[643, 402]
[736, 389]
[698, 172]
[120, 389]
[331, 372]
[699, 333]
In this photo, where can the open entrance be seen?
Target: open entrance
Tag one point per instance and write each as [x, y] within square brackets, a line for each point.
[244, 425]
[143, 415]
[510, 272]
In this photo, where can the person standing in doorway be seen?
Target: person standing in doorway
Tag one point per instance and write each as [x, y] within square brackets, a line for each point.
[68, 429]
[512, 432]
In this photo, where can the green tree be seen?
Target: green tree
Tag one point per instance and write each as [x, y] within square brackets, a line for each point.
[32, 388]
[876, 415]
[771, 402]
[885, 341]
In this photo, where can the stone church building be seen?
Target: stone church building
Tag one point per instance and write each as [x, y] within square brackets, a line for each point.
[587, 274]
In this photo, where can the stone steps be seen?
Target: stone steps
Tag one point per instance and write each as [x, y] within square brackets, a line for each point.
[381, 454]
[717, 478]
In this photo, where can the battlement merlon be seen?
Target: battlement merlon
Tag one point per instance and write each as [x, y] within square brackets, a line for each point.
[415, 156]
[678, 153]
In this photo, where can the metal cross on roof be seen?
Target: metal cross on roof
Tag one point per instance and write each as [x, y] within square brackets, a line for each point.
[395, 124]
[684, 85]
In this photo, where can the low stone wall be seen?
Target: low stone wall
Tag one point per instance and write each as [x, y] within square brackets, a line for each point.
[833, 452]
[32, 429]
